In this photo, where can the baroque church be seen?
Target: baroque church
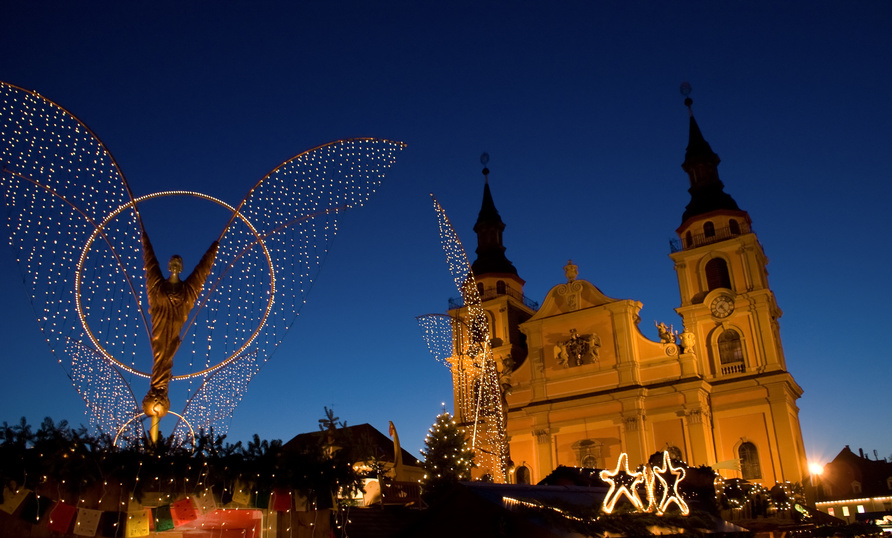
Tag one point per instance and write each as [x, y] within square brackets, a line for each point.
[581, 384]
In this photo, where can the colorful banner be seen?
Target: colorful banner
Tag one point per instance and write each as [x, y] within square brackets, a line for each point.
[241, 494]
[162, 518]
[87, 522]
[261, 500]
[35, 507]
[111, 523]
[183, 511]
[12, 499]
[281, 501]
[61, 517]
[138, 523]
[207, 502]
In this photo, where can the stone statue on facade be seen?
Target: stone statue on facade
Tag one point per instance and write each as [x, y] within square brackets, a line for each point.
[667, 334]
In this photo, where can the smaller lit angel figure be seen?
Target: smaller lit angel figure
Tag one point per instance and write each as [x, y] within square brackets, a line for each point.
[110, 313]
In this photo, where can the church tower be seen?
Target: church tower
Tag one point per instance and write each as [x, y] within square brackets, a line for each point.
[582, 385]
[499, 286]
[479, 385]
[730, 318]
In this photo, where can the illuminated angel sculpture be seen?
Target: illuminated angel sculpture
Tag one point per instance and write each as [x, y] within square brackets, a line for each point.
[463, 343]
[109, 315]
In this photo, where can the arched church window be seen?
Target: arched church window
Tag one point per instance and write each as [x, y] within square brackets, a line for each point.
[480, 289]
[734, 227]
[522, 475]
[856, 487]
[749, 462]
[717, 275]
[708, 229]
[730, 347]
[500, 287]
[688, 239]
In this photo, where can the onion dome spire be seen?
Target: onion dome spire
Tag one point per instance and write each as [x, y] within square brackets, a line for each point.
[489, 227]
[701, 165]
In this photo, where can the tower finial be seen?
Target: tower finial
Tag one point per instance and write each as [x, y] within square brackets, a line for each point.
[484, 159]
[686, 91]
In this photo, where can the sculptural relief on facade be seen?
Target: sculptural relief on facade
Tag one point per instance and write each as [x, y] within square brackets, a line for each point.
[577, 350]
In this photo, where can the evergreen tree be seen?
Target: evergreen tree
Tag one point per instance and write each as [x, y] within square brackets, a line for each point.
[447, 458]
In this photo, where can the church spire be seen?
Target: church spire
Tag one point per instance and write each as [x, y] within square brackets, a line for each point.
[701, 164]
[489, 227]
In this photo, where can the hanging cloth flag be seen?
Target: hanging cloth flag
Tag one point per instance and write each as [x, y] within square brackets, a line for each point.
[138, 523]
[35, 507]
[162, 518]
[241, 494]
[12, 499]
[207, 502]
[281, 500]
[61, 517]
[111, 522]
[183, 511]
[261, 499]
[87, 522]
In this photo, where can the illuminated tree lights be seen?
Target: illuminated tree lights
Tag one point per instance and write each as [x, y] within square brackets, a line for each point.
[447, 457]
[75, 227]
[463, 343]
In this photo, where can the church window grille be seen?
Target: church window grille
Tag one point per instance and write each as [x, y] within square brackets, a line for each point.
[749, 462]
[708, 229]
[734, 227]
[500, 287]
[717, 275]
[730, 347]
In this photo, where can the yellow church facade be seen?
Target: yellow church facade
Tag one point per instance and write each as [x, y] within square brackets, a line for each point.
[582, 384]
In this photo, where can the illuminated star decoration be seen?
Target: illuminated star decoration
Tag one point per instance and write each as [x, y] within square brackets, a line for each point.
[75, 228]
[463, 343]
[669, 478]
[622, 483]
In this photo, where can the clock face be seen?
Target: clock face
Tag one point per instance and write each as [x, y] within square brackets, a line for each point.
[722, 306]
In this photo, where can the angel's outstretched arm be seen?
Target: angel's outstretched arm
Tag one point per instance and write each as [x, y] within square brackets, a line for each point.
[195, 281]
[153, 268]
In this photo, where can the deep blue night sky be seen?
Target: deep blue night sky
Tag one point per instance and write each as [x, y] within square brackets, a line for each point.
[579, 109]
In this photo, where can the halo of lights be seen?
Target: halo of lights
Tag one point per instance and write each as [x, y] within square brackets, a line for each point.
[98, 231]
[142, 415]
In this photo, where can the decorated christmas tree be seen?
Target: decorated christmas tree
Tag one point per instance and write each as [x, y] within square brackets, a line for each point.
[447, 457]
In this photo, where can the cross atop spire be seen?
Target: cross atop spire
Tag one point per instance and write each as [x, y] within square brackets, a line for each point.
[701, 165]
[489, 227]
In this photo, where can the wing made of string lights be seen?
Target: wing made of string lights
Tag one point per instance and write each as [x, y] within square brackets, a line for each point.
[474, 371]
[211, 406]
[462, 276]
[436, 330]
[268, 259]
[60, 185]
